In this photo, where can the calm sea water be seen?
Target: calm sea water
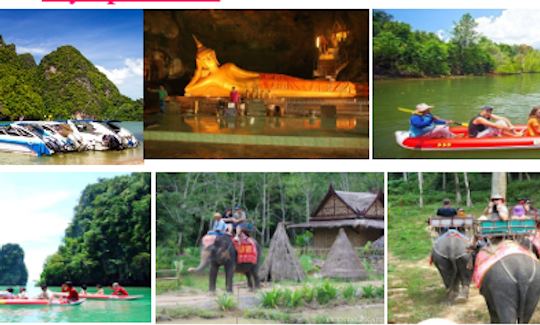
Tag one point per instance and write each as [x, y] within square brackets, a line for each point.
[456, 99]
[124, 157]
[90, 311]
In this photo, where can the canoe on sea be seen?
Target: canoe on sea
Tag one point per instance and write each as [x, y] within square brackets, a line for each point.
[102, 297]
[462, 142]
[40, 302]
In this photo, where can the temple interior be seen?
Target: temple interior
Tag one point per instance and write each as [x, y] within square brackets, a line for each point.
[331, 45]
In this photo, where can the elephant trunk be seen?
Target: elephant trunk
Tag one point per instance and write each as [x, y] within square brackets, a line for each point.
[205, 259]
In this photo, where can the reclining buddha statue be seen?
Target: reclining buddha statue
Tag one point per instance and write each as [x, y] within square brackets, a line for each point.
[214, 80]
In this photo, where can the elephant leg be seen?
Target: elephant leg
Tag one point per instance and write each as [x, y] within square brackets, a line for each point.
[256, 279]
[249, 278]
[531, 301]
[493, 317]
[229, 274]
[214, 268]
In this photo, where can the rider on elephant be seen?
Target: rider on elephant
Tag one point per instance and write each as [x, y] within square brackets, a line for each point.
[219, 227]
[496, 209]
[446, 211]
[236, 221]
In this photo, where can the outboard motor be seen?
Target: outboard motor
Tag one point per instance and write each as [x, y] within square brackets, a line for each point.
[112, 142]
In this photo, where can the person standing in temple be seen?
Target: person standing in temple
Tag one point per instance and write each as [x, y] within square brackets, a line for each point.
[235, 97]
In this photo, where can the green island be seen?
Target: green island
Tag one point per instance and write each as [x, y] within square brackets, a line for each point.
[63, 84]
[108, 239]
[13, 271]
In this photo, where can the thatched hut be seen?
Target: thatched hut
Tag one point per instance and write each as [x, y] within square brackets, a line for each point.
[360, 214]
[342, 261]
[281, 262]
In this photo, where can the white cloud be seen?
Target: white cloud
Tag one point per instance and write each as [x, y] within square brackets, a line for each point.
[32, 50]
[131, 68]
[442, 34]
[128, 78]
[513, 26]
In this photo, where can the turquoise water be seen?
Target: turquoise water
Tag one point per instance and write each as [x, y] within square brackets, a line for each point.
[90, 311]
[124, 157]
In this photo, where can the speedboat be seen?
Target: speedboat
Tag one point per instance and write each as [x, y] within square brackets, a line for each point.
[95, 135]
[50, 133]
[128, 139]
[14, 138]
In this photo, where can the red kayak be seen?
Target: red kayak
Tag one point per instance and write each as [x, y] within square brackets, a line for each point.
[40, 302]
[462, 142]
[102, 297]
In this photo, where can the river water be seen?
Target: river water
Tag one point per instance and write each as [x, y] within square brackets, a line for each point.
[125, 157]
[90, 311]
[456, 99]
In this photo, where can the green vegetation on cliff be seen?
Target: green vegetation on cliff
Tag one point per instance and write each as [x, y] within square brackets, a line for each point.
[12, 268]
[63, 83]
[108, 239]
[400, 51]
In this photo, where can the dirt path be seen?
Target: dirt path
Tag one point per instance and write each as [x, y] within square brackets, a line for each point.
[416, 293]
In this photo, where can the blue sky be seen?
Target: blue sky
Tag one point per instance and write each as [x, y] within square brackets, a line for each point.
[37, 208]
[513, 26]
[111, 39]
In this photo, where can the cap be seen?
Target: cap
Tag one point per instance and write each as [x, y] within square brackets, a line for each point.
[497, 197]
[487, 108]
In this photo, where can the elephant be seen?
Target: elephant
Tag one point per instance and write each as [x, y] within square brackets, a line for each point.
[511, 289]
[451, 256]
[223, 253]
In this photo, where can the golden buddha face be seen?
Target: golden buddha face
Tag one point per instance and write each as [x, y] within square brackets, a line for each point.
[207, 60]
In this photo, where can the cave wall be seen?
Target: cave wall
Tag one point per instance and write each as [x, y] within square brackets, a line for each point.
[276, 41]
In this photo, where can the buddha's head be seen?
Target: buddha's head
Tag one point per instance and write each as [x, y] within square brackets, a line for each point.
[206, 58]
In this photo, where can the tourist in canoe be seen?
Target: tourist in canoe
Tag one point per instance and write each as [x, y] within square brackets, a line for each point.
[486, 124]
[72, 294]
[119, 290]
[22, 293]
[424, 124]
[100, 290]
[533, 124]
[8, 294]
[84, 289]
[496, 209]
[45, 293]
[219, 226]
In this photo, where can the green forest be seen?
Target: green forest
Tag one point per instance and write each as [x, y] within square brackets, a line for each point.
[63, 83]
[12, 268]
[400, 51]
[109, 238]
[186, 201]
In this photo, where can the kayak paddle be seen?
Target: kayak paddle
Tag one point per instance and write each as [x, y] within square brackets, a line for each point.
[408, 110]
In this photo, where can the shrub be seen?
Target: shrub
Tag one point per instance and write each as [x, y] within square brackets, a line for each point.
[368, 291]
[325, 293]
[226, 302]
[349, 292]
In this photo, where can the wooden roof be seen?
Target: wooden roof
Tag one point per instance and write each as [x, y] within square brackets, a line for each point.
[358, 202]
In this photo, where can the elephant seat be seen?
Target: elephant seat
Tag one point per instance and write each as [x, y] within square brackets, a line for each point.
[488, 256]
[246, 250]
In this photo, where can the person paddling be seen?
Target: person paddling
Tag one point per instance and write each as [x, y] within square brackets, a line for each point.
[22, 293]
[100, 290]
[533, 123]
[119, 290]
[424, 124]
[84, 289]
[486, 124]
[72, 294]
[45, 293]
